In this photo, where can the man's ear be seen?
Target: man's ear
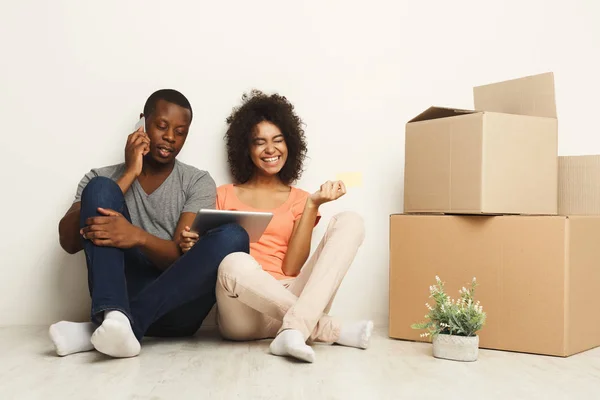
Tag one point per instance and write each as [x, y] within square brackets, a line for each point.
[141, 115]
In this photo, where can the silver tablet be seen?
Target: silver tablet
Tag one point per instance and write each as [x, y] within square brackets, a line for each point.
[253, 222]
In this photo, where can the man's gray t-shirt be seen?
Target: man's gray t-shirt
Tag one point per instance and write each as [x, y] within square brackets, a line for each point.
[187, 189]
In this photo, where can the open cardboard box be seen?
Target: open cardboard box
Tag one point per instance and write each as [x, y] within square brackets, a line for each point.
[500, 159]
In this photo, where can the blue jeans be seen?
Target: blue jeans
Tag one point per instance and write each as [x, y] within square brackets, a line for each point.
[168, 303]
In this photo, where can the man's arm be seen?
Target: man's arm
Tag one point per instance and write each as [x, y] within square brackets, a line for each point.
[161, 252]
[68, 227]
[112, 229]
[126, 180]
[135, 150]
[68, 230]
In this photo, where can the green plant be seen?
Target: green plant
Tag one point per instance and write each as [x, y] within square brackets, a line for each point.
[462, 317]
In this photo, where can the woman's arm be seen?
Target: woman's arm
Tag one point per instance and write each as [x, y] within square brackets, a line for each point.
[299, 245]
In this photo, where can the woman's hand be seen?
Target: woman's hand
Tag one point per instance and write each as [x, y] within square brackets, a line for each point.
[329, 191]
[187, 239]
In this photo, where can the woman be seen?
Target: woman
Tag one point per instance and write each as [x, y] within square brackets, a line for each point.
[273, 291]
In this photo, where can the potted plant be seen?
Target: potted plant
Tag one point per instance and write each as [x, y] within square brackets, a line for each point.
[453, 324]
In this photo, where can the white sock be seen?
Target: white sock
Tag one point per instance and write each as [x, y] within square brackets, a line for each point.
[72, 337]
[291, 343]
[356, 335]
[115, 337]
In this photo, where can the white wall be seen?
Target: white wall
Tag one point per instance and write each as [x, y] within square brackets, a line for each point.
[74, 76]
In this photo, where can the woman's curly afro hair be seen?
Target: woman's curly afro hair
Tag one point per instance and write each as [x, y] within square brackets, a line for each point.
[258, 107]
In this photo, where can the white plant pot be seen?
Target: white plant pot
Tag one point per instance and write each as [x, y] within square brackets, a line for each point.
[457, 348]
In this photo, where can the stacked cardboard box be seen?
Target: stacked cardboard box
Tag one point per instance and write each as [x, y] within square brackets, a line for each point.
[501, 159]
[579, 185]
[498, 167]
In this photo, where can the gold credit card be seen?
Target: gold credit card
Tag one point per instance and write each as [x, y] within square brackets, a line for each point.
[350, 179]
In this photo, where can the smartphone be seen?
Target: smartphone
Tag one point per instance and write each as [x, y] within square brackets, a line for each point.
[141, 123]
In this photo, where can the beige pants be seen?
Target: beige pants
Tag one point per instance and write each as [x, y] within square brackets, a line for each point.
[254, 305]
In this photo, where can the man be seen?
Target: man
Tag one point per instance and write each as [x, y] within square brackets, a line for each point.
[128, 219]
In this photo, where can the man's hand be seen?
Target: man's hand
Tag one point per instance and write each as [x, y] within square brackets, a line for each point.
[329, 191]
[187, 239]
[138, 145]
[112, 230]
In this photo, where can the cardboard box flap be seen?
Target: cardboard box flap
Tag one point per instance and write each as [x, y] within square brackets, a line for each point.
[440, 112]
[532, 95]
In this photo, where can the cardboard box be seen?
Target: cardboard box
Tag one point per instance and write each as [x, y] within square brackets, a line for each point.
[579, 185]
[538, 277]
[501, 159]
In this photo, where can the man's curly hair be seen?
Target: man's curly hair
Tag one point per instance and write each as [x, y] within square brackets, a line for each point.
[258, 107]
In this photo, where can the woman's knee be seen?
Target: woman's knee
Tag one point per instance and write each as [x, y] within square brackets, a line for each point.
[350, 221]
[237, 263]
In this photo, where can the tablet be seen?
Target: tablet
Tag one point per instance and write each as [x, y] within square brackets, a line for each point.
[253, 222]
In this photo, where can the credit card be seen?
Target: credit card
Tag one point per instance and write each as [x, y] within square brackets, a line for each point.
[350, 179]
